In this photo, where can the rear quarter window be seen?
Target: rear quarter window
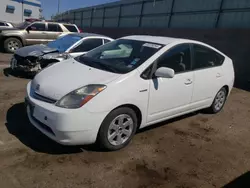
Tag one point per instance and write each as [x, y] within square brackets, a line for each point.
[71, 28]
[205, 57]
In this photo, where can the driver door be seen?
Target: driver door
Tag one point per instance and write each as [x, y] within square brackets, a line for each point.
[172, 96]
[36, 34]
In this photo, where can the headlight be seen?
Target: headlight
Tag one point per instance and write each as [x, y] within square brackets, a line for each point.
[81, 96]
[54, 56]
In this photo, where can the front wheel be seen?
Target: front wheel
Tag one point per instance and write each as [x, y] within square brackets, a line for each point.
[12, 44]
[219, 101]
[117, 129]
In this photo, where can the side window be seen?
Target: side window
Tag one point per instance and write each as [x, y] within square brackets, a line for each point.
[2, 24]
[177, 58]
[205, 57]
[71, 28]
[88, 45]
[37, 27]
[106, 41]
[54, 28]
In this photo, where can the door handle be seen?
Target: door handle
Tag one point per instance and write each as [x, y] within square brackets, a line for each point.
[218, 75]
[188, 82]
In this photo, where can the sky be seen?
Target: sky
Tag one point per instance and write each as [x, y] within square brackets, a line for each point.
[50, 6]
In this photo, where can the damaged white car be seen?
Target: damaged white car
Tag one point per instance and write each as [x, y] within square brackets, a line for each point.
[32, 59]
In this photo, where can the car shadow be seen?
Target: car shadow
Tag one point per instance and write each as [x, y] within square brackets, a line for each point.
[168, 122]
[242, 181]
[18, 125]
[8, 72]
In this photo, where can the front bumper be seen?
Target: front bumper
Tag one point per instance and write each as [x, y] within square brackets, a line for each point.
[65, 126]
[16, 66]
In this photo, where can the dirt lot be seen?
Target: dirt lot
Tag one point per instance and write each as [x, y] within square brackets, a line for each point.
[5, 58]
[198, 150]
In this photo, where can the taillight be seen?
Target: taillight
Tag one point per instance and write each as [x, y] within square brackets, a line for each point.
[80, 30]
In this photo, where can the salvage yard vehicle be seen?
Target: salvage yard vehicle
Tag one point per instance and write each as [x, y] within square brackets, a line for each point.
[32, 59]
[4, 25]
[34, 33]
[125, 85]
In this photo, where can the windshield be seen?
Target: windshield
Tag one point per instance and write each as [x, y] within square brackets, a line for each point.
[120, 56]
[64, 42]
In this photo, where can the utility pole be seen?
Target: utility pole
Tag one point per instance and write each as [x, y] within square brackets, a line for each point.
[58, 10]
[22, 10]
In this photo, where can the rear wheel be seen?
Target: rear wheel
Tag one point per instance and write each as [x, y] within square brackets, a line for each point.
[117, 129]
[12, 44]
[219, 101]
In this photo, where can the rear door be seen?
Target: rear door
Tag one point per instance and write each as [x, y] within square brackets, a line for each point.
[36, 34]
[208, 75]
[53, 32]
[85, 46]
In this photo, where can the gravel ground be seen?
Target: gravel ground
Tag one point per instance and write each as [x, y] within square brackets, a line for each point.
[196, 150]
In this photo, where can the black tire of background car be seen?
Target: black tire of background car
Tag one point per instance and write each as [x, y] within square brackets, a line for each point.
[102, 139]
[6, 42]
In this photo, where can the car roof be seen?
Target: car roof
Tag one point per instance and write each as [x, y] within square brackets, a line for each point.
[167, 40]
[156, 39]
[84, 35]
[53, 22]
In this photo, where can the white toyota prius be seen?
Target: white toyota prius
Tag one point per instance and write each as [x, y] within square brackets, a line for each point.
[107, 94]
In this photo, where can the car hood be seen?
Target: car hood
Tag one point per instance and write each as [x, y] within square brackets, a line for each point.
[61, 78]
[35, 50]
[9, 29]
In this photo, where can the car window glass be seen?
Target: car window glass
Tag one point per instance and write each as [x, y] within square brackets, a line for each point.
[177, 58]
[71, 28]
[120, 56]
[205, 57]
[106, 41]
[65, 42]
[2, 24]
[88, 45]
[54, 27]
[37, 27]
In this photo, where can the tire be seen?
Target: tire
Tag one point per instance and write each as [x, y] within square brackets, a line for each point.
[12, 44]
[219, 101]
[111, 130]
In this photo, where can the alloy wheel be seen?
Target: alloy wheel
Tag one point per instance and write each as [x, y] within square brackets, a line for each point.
[120, 129]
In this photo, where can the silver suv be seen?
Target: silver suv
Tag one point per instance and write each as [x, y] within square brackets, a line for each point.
[35, 33]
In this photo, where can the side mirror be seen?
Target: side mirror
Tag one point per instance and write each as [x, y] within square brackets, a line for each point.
[28, 29]
[164, 72]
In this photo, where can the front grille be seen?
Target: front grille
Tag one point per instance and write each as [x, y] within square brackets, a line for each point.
[43, 126]
[25, 60]
[20, 60]
[44, 99]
